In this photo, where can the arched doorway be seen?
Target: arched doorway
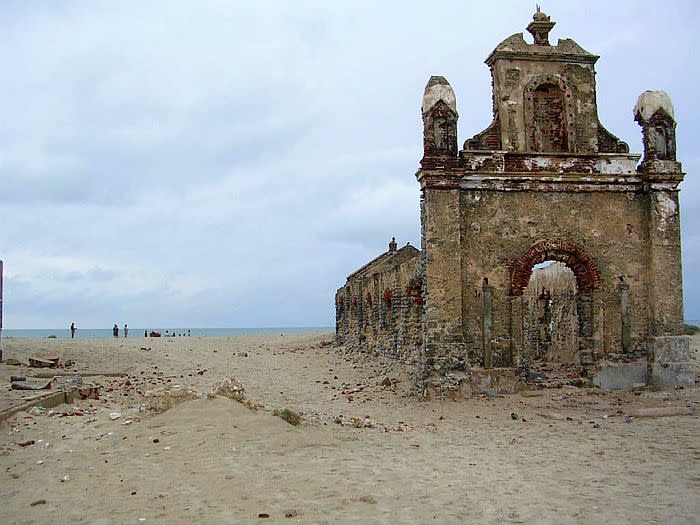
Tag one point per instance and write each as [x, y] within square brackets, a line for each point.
[550, 318]
[556, 314]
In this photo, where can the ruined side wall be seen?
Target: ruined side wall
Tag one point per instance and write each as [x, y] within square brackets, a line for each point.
[381, 312]
[609, 226]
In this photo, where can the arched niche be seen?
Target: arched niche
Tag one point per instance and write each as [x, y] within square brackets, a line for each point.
[549, 115]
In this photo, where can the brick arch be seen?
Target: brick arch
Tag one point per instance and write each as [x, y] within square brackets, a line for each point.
[581, 264]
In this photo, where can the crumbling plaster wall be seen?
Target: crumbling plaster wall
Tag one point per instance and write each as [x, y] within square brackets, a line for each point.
[617, 241]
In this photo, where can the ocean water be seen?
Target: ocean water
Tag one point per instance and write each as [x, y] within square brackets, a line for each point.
[101, 333]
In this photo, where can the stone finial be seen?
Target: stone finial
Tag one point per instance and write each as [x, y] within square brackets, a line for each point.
[649, 103]
[438, 88]
[540, 27]
[392, 244]
[654, 113]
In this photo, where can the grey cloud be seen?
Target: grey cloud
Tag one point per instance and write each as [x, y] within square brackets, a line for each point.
[231, 164]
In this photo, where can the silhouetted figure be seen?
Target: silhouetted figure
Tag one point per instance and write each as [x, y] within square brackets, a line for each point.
[126, 330]
[145, 333]
[115, 330]
[72, 330]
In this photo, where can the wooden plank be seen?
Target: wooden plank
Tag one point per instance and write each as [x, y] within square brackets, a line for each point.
[45, 375]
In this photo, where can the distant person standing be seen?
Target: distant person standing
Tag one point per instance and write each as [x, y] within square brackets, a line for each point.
[126, 330]
[115, 330]
[72, 330]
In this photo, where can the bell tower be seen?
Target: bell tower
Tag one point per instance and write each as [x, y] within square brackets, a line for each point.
[544, 97]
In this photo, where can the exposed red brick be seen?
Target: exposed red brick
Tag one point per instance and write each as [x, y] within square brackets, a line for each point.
[387, 296]
[584, 268]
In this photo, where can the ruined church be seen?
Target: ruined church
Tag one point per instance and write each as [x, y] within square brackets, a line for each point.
[546, 246]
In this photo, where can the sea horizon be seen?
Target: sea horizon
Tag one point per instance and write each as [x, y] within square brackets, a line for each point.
[102, 333]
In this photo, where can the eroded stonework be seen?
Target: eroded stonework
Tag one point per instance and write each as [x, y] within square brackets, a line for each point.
[544, 182]
[380, 308]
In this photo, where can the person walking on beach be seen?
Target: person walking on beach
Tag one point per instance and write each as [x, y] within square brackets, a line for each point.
[72, 330]
[115, 330]
[126, 330]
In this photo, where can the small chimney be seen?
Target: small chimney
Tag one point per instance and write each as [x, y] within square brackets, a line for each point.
[392, 244]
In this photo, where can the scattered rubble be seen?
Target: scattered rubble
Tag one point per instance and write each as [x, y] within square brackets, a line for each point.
[161, 399]
[43, 363]
[31, 385]
[227, 387]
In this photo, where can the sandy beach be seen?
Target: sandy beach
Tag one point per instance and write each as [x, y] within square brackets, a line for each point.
[366, 450]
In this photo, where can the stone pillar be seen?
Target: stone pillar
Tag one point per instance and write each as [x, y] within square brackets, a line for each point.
[598, 328]
[585, 313]
[487, 323]
[339, 319]
[662, 174]
[361, 338]
[442, 322]
[625, 336]
[665, 279]
[517, 344]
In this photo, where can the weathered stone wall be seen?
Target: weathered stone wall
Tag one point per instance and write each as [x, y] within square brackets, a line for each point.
[545, 181]
[619, 248]
[380, 307]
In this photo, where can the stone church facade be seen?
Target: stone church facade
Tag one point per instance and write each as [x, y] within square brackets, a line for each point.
[545, 181]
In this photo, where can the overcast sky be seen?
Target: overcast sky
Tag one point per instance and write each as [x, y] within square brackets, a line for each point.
[229, 163]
